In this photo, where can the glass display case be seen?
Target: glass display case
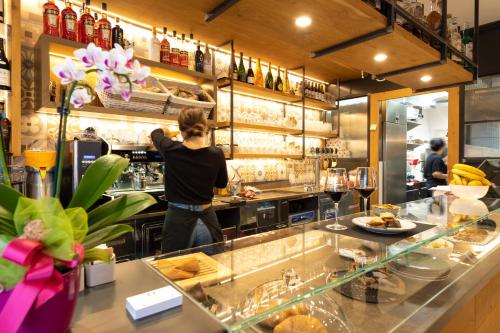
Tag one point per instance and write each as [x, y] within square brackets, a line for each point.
[332, 281]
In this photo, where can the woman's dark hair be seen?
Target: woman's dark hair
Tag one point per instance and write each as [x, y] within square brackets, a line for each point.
[437, 144]
[192, 122]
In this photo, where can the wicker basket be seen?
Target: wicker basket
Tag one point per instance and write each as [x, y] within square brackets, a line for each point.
[175, 104]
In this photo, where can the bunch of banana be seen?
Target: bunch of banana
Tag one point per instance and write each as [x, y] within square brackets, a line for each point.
[464, 174]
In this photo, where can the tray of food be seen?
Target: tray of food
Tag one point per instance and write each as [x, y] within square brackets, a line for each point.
[473, 236]
[386, 223]
[188, 270]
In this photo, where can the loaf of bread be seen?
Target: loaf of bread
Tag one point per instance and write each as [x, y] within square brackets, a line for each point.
[300, 324]
[176, 274]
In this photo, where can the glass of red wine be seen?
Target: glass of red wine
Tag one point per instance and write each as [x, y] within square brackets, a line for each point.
[366, 183]
[336, 186]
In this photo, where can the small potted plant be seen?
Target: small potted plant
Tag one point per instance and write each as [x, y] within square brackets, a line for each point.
[42, 243]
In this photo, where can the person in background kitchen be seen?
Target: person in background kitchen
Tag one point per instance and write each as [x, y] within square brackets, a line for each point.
[435, 169]
[192, 170]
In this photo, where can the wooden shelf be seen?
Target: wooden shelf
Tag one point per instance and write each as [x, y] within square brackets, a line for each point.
[317, 134]
[280, 156]
[260, 92]
[260, 128]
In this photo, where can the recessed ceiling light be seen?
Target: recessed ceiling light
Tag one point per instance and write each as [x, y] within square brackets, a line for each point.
[426, 78]
[380, 57]
[303, 21]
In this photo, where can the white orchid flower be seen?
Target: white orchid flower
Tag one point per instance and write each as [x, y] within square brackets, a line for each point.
[139, 73]
[91, 56]
[68, 72]
[128, 54]
[110, 83]
[114, 61]
[80, 97]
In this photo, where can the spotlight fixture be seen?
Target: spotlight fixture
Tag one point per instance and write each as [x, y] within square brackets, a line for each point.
[426, 78]
[380, 57]
[303, 21]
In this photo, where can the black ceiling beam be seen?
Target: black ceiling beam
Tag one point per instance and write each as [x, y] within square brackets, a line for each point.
[410, 69]
[221, 8]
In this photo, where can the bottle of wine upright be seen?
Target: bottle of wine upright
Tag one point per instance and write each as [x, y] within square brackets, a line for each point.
[154, 46]
[69, 22]
[104, 30]
[259, 78]
[250, 78]
[86, 25]
[51, 18]
[199, 59]
[192, 48]
[4, 68]
[183, 53]
[286, 83]
[165, 48]
[234, 73]
[117, 34]
[278, 85]
[207, 60]
[269, 78]
[241, 69]
[174, 50]
[96, 26]
[5, 127]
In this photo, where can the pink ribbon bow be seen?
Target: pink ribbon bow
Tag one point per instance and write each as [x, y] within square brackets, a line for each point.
[41, 281]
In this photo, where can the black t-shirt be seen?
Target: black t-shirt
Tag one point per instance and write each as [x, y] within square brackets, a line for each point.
[190, 174]
[434, 163]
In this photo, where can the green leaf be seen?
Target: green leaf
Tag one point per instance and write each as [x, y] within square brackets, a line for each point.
[10, 273]
[6, 223]
[119, 209]
[57, 236]
[9, 198]
[96, 254]
[99, 177]
[78, 218]
[105, 235]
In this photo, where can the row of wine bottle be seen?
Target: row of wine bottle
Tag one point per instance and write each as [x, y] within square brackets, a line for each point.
[311, 89]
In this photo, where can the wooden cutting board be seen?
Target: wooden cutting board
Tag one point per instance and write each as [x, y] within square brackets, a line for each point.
[211, 271]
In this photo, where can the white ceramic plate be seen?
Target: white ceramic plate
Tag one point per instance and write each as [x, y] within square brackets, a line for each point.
[363, 220]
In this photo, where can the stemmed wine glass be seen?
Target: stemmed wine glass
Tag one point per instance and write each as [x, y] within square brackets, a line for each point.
[366, 182]
[336, 186]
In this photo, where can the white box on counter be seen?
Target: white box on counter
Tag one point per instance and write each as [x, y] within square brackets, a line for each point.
[100, 272]
[154, 301]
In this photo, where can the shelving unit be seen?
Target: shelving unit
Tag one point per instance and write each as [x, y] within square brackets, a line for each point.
[411, 125]
[259, 128]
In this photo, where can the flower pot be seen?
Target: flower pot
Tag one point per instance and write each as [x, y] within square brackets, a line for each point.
[55, 315]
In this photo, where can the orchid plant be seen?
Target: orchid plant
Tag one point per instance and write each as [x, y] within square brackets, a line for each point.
[63, 237]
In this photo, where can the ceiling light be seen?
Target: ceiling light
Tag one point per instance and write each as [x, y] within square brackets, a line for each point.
[380, 57]
[303, 21]
[426, 78]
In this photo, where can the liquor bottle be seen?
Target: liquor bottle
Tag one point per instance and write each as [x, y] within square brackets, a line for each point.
[154, 46]
[234, 73]
[269, 78]
[104, 30]
[467, 41]
[250, 77]
[165, 48]
[316, 91]
[96, 25]
[199, 59]
[207, 60]
[192, 48]
[306, 89]
[183, 53]
[278, 85]
[68, 22]
[2, 12]
[241, 69]
[174, 50]
[5, 126]
[117, 34]
[259, 78]
[86, 25]
[51, 18]
[286, 83]
[434, 16]
[4, 68]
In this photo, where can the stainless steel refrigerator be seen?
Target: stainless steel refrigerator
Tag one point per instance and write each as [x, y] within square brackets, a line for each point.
[393, 152]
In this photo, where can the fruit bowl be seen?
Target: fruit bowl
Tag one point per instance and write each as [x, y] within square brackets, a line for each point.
[469, 192]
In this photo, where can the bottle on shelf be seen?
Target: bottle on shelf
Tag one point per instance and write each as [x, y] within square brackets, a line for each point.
[467, 41]
[269, 78]
[104, 30]
[2, 12]
[5, 126]
[199, 59]
[4, 68]
[234, 73]
[250, 77]
[183, 53]
[117, 34]
[207, 60]
[51, 18]
[278, 85]
[259, 78]
[165, 48]
[174, 50]
[86, 25]
[193, 47]
[96, 25]
[68, 22]
[286, 83]
[154, 46]
[306, 89]
[241, 69]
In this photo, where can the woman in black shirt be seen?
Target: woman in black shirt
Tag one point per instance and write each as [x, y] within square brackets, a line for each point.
[435, 170]
[192, 170]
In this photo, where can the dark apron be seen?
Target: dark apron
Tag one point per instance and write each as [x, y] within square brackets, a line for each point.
[179, 226]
